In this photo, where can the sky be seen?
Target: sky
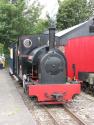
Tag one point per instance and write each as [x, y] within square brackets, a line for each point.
[50, 7]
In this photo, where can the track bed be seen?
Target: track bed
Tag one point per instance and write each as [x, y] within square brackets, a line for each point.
[78, 112]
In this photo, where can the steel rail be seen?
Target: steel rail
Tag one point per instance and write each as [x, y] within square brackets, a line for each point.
[51, 116]
[74, 116]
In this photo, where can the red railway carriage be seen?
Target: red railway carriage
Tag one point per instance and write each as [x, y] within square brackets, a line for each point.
[78, 46]
[80, 53]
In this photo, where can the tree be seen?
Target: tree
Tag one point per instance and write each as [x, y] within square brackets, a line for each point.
[41, 26]
[32, 15]
[1, 49]
[72, 12]
[91, 6]
[5, 21]
[16, 19]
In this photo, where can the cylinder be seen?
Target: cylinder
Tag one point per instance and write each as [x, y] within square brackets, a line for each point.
[51, 37]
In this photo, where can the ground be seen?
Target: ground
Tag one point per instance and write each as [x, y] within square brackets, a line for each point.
[13, 111]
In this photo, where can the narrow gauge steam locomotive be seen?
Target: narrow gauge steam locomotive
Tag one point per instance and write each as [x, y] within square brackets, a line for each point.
[43, 70]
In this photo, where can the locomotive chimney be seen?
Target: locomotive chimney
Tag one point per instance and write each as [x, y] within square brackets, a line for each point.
[51, 37]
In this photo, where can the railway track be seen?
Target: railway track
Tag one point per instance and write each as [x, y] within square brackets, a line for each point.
[49, 118]
[54, 115]
[83, 107]
[74, 116]
[40, 112]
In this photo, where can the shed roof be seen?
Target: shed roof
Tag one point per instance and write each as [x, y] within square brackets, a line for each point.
[80, 30]
[63, 32]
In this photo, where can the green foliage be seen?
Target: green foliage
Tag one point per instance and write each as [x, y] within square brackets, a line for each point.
[16, 19]
[1, 49]
[32, 17]
[72, 12]
[41, 26]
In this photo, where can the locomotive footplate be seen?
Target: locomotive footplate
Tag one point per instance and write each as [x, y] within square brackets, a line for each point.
[53, 93]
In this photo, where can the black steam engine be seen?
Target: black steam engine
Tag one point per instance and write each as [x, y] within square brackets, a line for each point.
[49, 63]
[42, 69]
